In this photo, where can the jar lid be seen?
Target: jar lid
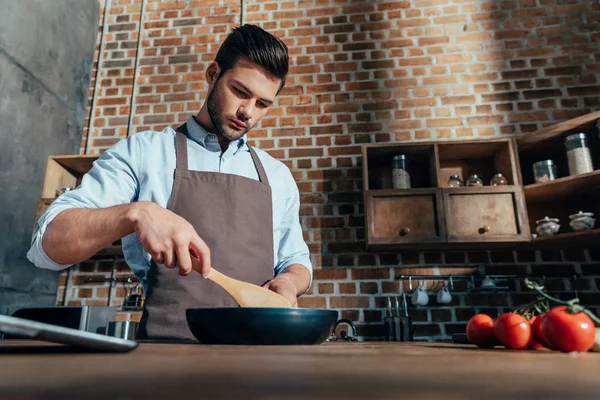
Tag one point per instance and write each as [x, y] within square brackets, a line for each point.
[577, 136]
[581, 214]
[546, 220]
[474, 176]
[544, 163]
[399, 157]
[498, 174]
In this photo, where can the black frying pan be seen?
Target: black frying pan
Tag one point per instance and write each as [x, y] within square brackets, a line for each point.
[261, 326]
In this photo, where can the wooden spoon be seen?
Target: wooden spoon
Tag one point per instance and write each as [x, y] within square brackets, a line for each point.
[246, 294]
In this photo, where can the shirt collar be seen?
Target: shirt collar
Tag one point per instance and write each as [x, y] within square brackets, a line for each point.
[200, 135]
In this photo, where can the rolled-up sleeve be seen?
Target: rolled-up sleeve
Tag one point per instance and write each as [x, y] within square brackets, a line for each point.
[112, 180]
[292, 247]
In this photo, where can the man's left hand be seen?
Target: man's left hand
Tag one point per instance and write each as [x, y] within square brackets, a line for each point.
[283, 286]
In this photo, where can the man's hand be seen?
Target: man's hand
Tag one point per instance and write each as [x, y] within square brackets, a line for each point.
[169, 238]
[283, 286]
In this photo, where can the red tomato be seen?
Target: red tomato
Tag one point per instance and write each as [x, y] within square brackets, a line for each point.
[535, 343]
[536, 330]
[568, 332]
[480, 331]
[513, 330]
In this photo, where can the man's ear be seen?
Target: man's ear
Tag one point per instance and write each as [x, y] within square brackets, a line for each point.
[212, 73]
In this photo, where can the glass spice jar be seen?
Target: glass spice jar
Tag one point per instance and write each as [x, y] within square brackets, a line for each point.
[544, 171]
[578, 154]
[400, 175]
[455, 181]
[474, 181]
[498, 180]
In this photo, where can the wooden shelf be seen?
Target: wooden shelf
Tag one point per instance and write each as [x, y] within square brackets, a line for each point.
[560, 188]
[529, 141]
[569, 238]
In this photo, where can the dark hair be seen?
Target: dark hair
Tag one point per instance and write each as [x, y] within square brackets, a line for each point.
[257, 45]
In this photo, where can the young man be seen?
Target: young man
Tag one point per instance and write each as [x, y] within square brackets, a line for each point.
[198, 188]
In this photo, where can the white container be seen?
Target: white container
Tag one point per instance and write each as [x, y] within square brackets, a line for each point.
[578, 154]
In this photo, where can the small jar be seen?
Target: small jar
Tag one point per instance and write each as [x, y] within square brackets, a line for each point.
[400, 175]
[578, 154]
[455, 181]
[474, 180]
[498, 180]
[544, 171]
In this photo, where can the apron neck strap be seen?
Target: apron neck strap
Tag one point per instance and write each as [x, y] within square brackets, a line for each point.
[181, 147]
[182, 154]
[262, 175]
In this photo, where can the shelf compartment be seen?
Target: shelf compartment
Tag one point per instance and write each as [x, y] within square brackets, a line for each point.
[482, 157]
[492, 214]
[395, 217]
[562, 188]
[569, 239]
[534, 140]
[377, 171]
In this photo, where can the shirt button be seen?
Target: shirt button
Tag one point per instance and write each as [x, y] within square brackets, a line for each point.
[212, 136]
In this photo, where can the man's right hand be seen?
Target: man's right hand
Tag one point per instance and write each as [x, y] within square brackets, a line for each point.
[168, 237]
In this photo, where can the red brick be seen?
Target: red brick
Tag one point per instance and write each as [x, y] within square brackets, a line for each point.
[371, 273]
[312, 302]
[349, 302]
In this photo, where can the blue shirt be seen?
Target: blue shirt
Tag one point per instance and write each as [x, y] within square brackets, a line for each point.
[140, 168]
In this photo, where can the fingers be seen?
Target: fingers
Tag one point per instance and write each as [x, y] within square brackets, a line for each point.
[202, 252]
[157, 257]
[184, 259]
[169, 259]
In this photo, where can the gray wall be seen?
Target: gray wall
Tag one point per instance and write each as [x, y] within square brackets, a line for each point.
[46, 55]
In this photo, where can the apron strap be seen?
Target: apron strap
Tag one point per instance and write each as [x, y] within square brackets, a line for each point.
[182, 154]
[262, 175]
[181, 147]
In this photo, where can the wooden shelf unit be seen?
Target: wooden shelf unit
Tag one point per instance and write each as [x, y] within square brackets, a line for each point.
[562, 188]
[431, 214]
[567, 194]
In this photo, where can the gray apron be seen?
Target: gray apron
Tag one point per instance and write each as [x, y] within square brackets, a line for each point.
[233, 215]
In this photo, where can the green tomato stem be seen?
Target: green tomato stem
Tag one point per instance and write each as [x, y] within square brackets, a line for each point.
[573, 305]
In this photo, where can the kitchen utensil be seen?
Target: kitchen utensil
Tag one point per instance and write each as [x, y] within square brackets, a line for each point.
[400, 175]
[122, 329]
[389, 324]
[246, 294]
[547, 226]
[488, 283]
[582, 221]
[419, 297]
[544, 171]
[444, 296]
[498, 180]
[261, 326]
[344, 336]
[455, 181]
[578, 154]
[393, 321]
[397, 322]
[134, 299]
[85, 318]
[26, 329]
[406, 321]
[474, 181]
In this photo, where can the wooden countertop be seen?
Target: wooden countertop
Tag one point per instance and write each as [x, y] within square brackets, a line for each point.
[359, 370]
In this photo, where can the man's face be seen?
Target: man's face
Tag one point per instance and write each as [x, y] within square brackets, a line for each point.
[240, 98]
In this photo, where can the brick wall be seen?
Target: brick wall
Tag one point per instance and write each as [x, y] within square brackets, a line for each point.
[362, 72]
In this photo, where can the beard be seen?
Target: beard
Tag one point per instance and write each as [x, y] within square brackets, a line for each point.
[218, 118]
